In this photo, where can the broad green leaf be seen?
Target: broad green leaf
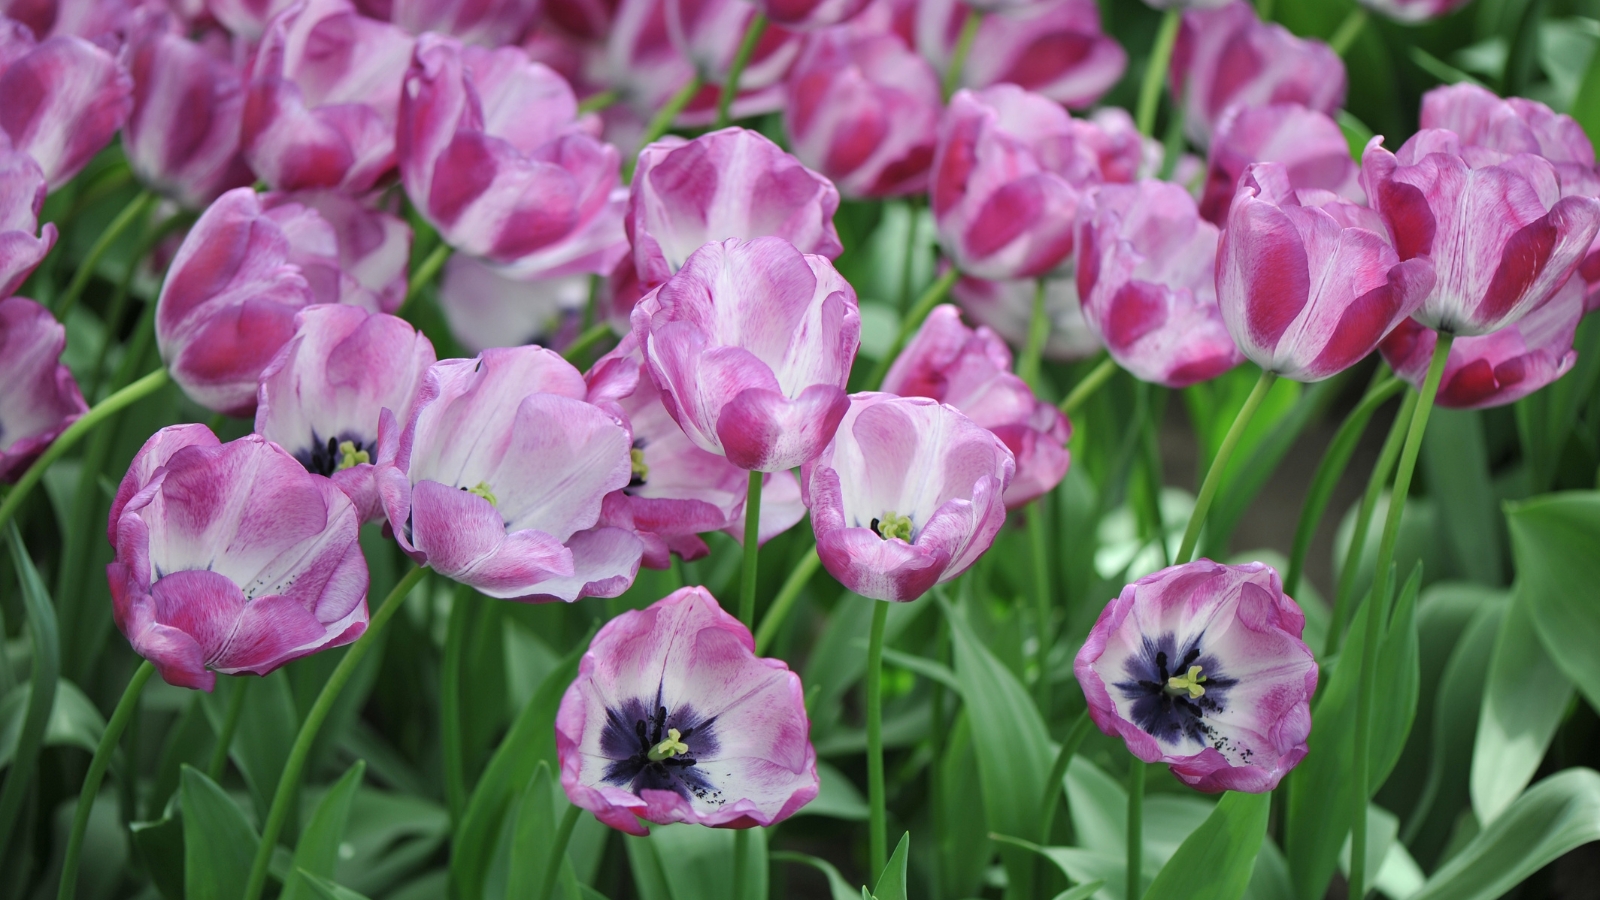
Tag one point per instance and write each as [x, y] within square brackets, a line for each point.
[317, 886]
[267, 728]
[1224, 847]
[964, 850]
[1081, 892]
[1456, 465]
[1522, 706]
[1084, 867]
[160, 847]
[1557, 814]
[837, 797]
[838, 887]
[218, 843]
[1269, 880]
[388, 836]
[532, 834]
[892, 880]
[317, 852]
[689, 862]
[41, 700]
[1556, 541]
[836, 663]
[74, 721]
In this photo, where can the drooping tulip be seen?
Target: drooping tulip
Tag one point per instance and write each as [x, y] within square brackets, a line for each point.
[1311, 147]
[731, 183]
[906, 496]
[321, 397]
[1007, 307]
[1413, 11]
[41, 398]
[497, 479]
[1201, 666]
[61, 99]
[1146, 276]
[1309, 283]
[971, 371]
[673, 718]
[231, 558]
[751, 344]
[23, 242]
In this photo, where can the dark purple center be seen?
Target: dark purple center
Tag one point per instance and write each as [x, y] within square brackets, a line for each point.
[1170, 715]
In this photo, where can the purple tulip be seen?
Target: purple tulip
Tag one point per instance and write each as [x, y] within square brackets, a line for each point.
[1201, 666]
[100, 21]
[23, 243]
[708, 33]
[640, 62]
[232, 558]
[246, 19]
[1501, 237]
[806, 15]
[1050, 47]
[1514, 125]
[751, 344]
[1413, 11]
[498, 478]
[41, 398]
[971, 371]
[586, 20]
[348, 251]
[1226, 57]
[673, 718]
[1007, 307]
[1310, 145]
[322, 99]
[1308, 283]
[61, 100]
[488, 23]
[1146, 264]
[486, 306]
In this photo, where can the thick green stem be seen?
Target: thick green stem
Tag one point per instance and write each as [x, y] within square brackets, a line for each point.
[289, 781]
[426, 272]
[1052, 784]
[1376, 612]
[913, 320]
[1039, 541]
[1208, 489]
[230, 724]
[97, 771]
[450, 737]
[1038, 333]
[963, 48]
[1091, 382]
[784, 602]
[136, 208]
[752, 551]
[753, 31]
[663, 121]
[558, 850]
[1348, 31]
[741, 862]
[1155, 70]
[585, 342]
[878, 846]
[1135, 828]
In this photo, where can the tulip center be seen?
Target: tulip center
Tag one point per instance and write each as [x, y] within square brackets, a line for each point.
[351, 455]
[893, 525]
[641, 472]
[1191, 684]
[650, 749]
[1174, 690]
[670, 747]
[336, 455]
[482, 490]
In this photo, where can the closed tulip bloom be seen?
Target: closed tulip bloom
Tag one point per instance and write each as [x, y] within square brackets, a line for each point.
[673, 718]
[23, 242]
[1051, 47]
[863, 110]
[498, 478]
[1226, 57]
[642, 64]
[322, 98]
[321, 397]
[1513, 125]
[1007, 307]
[906, 496]
[751, 344]
[232, 558]
[61, 100]
[732, 183]
[971, 371]
[1201, 666]
[41, 398]
[1311, 147]
[360, 254]
[709, 32]
[1501, 237]
[1413, 11]
[1146, 273]
[494, 23]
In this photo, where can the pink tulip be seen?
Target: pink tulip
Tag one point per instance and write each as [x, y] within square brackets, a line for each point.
[751, 345]
[709, 32]
[1226, 57]
[61, 100]
[101, 21]
[586, 20]
[499, 475]
[232, 558]
[1007, 307]
[971, 371]
[41, 398]
[641, 63]
[1146, 273]
[806, 15]
[247, 19]
[488, 23]
[906, 496]
[487, 306]
[731, 183]
[1414, 11]
[1309, 283]
[322, 99]
[23, 243]
[1310, 145]
[1501, 237]
[864, 111]
[1054, 48]
[1201, 666]
[361, 254]
[673, 718]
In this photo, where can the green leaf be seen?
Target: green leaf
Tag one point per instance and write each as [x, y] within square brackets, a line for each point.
[1523, 704]
[323, 888]
[837, 797]
[318, 850]
[963, 851]
[689, 862]
[41, 701]
[1081, 892]
[74, 721]
[1224, 848]
[1586, 105]
[533, 832]
[388, 836]
[1556, 541]
[1456, 464]
[160, 847]
[267, 728]
[892, 881]
[1552, 817]
[838, 887]
[218, 842]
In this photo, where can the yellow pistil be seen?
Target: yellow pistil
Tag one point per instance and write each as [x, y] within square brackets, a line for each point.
[893, 525]
[669, 747]
[349, 456]
[1191, 682]
[641, 472]
[482, 490]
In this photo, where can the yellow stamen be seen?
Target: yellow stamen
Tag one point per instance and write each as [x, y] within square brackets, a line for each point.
[1190, 682]
[669, 747]
[349, 456]
[482, 490]
[641, 472]
[893, 525]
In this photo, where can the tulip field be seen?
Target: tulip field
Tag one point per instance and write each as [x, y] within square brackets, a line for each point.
[799, 449]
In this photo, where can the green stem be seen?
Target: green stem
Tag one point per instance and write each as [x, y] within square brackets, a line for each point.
[663, 120]
[96, 415]
[963, 48]
[1039, 541]
[97, 771]
[1347, 32]
[136, 208]
[787, 595]
[1330, 470]
[878, 823]
[450, 738]
[1052, 784]
[597, 102]
[753, 30]
[230, 724]
[558, 849]
[1092, 382]
[585, 342]
[1375, 611]
[1208, 489]
[741, 864]
[426, 272]
[1038, 333]
[913, 217]
[289, 781]
[752, 550]
[1135, 828]
[913, 320]
[1155, 71]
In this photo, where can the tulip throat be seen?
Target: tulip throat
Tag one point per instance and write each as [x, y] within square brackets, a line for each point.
[351, 456]
[482, 490]
[893, 525]
[1191, 683]
[670, 747]
[641, 471]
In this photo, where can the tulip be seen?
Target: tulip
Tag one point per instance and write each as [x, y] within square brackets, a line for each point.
[495, 23]
[23, 242]
[864, 111]
[1511, 126]
[806, 15]
[1501, 238]
[102, 22]
[498, 478]
[906, 496]
[586, 20]
[1146, 264]
[1226, 56]
[1310, 145]
[232, 558]
[61, 100]
[708, 33]
[323, 94]
[41, 398]
[486, 306]
[751, 345]
[1413, 11]
[731, 183]
[321, 397]
[360, 254]
[641, 63]
[1309, 283]
[971, 371]
[247, 20]
[673, 718]
[1054, 48]
[1007, 307]
[1201, 666]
